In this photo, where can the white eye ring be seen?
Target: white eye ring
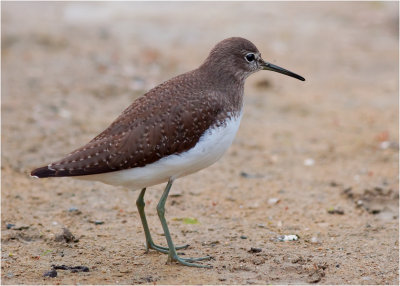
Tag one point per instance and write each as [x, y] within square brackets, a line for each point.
[250, 57]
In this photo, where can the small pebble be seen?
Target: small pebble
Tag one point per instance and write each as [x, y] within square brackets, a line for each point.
[375, 211]
[314, 277]
[243, 237]
[314, 239]
[52, 273]
[66, 236]
[290, 237]
[385, 144]
[251, 176]
[20, 227]
[336, 210]
[309, 162]
[255, 250]
[333, 184]
[273, 201]
[73, 269]
[74, 210]
[79, 269]
[9, 225]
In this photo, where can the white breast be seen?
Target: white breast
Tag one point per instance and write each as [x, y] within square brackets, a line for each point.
[210, 148]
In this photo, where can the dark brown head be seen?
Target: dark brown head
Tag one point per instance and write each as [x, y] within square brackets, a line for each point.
[240, 58]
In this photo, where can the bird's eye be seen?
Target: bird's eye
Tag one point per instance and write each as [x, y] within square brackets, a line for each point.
[250, 57]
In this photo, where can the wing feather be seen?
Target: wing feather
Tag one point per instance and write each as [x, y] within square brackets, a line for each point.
[145, 132]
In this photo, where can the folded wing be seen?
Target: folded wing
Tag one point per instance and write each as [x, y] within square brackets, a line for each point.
[151, 128]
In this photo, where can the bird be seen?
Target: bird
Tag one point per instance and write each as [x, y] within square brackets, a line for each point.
[177, 128]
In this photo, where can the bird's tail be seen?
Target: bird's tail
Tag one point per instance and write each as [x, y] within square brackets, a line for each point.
[44, 172]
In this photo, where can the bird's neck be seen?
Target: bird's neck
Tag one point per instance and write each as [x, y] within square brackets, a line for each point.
[222, 73]
[228, 84]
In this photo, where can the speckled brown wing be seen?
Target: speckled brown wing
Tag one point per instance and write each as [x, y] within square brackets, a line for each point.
[154, 126]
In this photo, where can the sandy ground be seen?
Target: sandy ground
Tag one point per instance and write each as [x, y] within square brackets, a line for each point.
[317, 159]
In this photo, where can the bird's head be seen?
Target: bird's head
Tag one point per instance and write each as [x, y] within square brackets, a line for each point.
[241, 58]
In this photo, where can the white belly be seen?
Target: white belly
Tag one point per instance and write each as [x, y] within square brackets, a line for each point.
[210, 148]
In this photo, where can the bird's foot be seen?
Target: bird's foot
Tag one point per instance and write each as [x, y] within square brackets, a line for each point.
[162, 249]
[188, 261]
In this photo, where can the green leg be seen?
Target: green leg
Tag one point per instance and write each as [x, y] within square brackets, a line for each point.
[172, 254]
[149, 241]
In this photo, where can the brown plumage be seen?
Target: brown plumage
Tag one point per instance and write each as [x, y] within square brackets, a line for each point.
[170, 118]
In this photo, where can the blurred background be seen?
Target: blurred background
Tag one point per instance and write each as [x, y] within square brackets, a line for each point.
[70, 68]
